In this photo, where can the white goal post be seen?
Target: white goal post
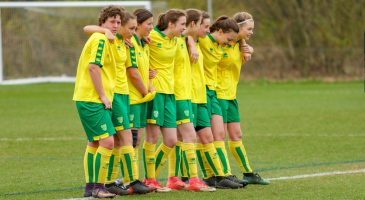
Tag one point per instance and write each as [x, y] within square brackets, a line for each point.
[53, 4]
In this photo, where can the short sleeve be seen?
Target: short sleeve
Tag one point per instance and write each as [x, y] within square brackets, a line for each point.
[97, 51]
[131, 58]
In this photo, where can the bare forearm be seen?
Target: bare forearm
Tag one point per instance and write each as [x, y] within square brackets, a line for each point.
[137, 81]
[96, 78]
[90, 29]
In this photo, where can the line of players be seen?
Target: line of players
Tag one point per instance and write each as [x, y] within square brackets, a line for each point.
[178, 78]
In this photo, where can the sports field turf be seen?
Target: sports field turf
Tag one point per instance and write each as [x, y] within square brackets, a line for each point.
[290, 129]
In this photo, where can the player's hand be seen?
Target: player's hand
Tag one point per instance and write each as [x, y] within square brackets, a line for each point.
[106, 102]
[147, 40]
[152, 73]
[245, 48]
[151, 88]
[109, 35]
[128, 43]
[248, 49]
[247, 56]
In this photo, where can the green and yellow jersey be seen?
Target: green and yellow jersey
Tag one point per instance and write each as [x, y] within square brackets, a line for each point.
[182, 71]
[198, 79]
[212, 53]
[162, 56]
[229, 70]
[98, 51]
[120, 54]
[138, 57]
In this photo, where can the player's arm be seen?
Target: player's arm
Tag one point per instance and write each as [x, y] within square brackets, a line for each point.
[150, 86]
[94, 71]
[136, 80]
[246, 51]
[193, 51]
[90, 29]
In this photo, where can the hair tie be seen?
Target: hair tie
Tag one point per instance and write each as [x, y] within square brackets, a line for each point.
[247, 20]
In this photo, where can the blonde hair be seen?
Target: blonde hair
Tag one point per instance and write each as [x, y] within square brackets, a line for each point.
[242, 17]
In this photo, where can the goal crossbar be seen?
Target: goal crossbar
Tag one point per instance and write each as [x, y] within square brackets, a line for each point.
[55, 4]
[146, 4]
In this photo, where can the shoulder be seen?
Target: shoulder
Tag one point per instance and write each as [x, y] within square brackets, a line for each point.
[154, 34]
[98, 36]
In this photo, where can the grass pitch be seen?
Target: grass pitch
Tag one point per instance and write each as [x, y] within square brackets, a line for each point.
[289, 129]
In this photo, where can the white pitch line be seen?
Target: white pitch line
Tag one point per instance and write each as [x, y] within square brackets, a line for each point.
[288, 177]
[317, 175]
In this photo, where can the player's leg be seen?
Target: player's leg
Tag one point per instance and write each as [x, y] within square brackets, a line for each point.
[236, 146]
[210, 155]
[174, 162]
[138, 118]
[89, 156]
[183, 117]
[218, 130]
[99, 129]
[121, 120]
[155, 120]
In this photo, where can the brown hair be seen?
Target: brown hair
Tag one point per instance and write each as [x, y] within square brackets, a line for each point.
[110, 11]
[205, 15]
[242, 16]
[142, 15]
[226, 24]
[192, 15]
[171, 15]
[126, 17]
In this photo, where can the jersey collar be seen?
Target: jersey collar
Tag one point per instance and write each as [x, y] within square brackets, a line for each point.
[211, 38]
[160, 32]
[139, 42]
[119, 36]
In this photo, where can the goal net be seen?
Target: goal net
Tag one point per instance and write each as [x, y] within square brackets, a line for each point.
[42, 41]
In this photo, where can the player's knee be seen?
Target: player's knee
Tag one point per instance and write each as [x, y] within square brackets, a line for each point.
[107, 143]
[205, 137]
[151, 139]
[219, 136]
[170, 141]
[236, 136]
[189, 137]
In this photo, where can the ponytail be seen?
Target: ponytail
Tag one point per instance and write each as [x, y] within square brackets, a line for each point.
[171, 15]
[162, 22]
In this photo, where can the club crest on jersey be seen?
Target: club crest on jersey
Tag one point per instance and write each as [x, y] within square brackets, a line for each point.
[186, 112]
[211, 50]
[104, 127]
[225, 55]
[159, 45]
[155, 113]
[131, 117]
[120, 119]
